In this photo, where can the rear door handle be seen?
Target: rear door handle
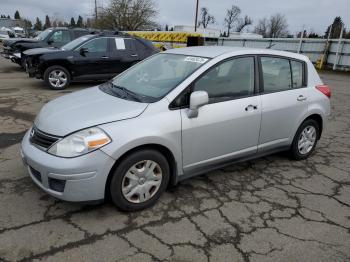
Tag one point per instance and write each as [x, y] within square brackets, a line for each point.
[251, 107]
[134, 55]
[104, 57]
[301, 98]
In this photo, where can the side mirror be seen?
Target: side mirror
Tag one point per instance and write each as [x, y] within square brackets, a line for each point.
[83, 50]
[50, 41]
[197, 100]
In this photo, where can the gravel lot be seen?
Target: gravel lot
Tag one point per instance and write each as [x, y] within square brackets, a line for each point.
[270, 209]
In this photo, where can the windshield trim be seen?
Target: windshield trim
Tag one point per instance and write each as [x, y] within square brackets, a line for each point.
[156, 99]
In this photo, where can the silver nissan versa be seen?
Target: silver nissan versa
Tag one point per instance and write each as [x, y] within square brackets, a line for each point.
[175, 115]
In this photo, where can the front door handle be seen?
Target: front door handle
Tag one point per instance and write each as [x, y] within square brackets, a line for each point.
[104, 57]
[134, 55]
[301, 98]
[251, 108]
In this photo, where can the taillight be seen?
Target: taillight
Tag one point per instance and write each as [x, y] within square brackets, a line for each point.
[325, 90]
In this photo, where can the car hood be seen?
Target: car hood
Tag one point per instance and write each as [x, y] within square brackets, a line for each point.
[39, 51]
[82, 109]
[19, 40]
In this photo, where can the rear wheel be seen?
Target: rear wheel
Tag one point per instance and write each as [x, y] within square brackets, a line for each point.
[57, 77]
[305, 140]
[139, 180]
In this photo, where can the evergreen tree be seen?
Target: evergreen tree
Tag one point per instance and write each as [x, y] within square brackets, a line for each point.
[17, 16]
[27, 24]
[80, 22]
[166, 28]
[336, 28]
[72, 22]
[47, 22]
[38, 24]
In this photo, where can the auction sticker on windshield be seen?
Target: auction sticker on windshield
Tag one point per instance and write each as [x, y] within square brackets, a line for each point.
[195, 59]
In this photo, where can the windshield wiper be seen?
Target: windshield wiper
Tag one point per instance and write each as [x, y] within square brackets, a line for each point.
[127, 92]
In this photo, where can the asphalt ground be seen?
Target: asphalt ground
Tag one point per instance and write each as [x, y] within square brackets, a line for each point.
[269, 209]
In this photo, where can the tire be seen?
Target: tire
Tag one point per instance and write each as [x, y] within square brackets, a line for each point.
[60, 76]
[130, 175]
[302, 150]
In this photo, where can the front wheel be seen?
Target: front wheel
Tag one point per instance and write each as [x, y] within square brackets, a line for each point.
[305, 140]
[57, 77]
[139, 180]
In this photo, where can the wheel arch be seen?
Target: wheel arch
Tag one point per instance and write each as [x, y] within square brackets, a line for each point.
[160, 148]
[318, 118]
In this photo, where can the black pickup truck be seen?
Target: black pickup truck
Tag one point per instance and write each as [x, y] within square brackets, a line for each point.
[52, 37]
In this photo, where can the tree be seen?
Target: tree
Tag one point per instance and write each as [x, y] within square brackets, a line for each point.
[205, 18]
[38, 24]
[243, 22]
[27, 24]
[166, 28]
[8, 16]
[72, 22]
[336, 28]
[54, 23]
[47, 22]
[231, 18]
[128, 15]
[80, 22]
[273, 27]
[17, 16]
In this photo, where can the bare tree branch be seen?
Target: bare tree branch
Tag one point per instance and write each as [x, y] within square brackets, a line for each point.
[231, 18]
[128, 15]
[273, 27]
[205, 18]
[243, 22]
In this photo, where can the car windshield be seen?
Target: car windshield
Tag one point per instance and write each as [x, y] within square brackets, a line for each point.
[76, 42]
[153, 78]
[43, 34]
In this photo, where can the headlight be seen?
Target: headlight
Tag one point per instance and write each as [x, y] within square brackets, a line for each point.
[80, 143]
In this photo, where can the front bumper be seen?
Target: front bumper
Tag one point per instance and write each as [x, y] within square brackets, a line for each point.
[8, 53]
[76, 179]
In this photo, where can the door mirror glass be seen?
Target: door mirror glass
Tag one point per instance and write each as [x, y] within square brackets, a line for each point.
[83, 50]
[197, 100]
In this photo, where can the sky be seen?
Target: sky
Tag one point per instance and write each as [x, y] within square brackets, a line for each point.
[313, 15]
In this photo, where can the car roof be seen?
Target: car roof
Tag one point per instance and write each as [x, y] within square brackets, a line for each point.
[215, 51]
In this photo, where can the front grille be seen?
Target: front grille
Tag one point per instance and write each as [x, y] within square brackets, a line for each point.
[35, 173]
[42, 139]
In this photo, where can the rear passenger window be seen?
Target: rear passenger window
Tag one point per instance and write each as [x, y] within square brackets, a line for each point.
[297, 74]
[229, 80]
[276, 74]
[79, 33]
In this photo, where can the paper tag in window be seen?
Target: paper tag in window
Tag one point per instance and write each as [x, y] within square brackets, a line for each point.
[119, 43]
[195, 59]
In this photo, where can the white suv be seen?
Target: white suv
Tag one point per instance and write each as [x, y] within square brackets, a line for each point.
[175, 115]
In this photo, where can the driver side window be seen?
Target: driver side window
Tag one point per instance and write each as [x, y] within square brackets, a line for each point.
[98, 45]
[231, 79]
[61, 36]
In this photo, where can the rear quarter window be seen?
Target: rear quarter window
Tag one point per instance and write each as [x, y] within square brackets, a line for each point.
[297, 73]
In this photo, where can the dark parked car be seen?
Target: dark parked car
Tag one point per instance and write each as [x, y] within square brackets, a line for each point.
[51, 37]
[91, 57]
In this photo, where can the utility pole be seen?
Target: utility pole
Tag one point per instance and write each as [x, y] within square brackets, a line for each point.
[196, 21]
[95, 10]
